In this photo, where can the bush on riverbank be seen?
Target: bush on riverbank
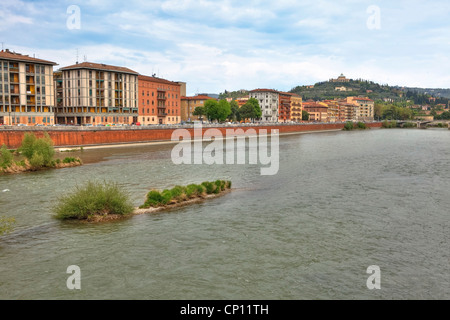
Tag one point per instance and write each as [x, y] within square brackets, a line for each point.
[94, 199]
[349, 126]
[6, 157]
[179, 194]
[389, 124]
[37, 153]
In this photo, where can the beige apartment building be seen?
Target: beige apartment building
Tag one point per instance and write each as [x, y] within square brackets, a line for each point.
[96, 94]
[26, 90]
[365, 110]
[296, 108]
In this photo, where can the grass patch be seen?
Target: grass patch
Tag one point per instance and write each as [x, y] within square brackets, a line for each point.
[179, 194]
[93, 199]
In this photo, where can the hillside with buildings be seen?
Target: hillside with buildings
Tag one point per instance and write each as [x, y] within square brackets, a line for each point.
[342, 88]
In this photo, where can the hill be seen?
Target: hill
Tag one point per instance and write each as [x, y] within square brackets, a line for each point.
[333, 90]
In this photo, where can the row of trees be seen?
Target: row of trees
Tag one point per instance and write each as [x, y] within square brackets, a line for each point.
[223, 110]
[396, 111]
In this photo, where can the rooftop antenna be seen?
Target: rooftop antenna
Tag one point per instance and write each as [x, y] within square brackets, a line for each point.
[2, 45]
[77, 56]
[85, 58]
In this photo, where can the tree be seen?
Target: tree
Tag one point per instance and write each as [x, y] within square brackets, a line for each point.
[199, 111]
[224, 110]
[305, 116]
[234, 106]
[257, 109]
[211, 107]
[217, 110]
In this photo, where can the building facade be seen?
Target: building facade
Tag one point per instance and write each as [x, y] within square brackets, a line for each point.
[317, 112]
[96, 94]
[269, 101]
[285, 107]
[159, 101]
[26, 90]
[296, 108]
[188, 105]
[365, 108]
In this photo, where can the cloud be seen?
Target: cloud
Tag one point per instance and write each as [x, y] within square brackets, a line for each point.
[230, 44]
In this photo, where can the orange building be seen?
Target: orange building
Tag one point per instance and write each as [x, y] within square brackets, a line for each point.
[285, 107]
[159, 101]
[317, 112]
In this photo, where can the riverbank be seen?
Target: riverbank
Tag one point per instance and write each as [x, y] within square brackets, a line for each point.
[25, 166]
[71, 137]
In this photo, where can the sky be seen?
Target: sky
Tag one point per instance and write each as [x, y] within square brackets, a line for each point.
[215, 46]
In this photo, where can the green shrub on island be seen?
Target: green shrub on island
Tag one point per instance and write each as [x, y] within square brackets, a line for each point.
[94, 199]
[6, 225]
[6, 157]
[39, 152]
[179, 194]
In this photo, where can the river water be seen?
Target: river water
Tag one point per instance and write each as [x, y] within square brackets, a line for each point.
[341, 202]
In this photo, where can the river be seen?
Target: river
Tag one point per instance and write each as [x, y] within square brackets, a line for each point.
[341, 202]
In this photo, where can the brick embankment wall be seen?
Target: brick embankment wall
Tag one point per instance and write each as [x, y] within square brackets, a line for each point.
[68, 137]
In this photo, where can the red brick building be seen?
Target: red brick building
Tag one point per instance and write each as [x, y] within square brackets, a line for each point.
[159, 101]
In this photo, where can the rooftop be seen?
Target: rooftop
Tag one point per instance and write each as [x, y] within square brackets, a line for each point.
[265, 90]
[10, 55]
[99, 66]
[158, 80]
[200, 97]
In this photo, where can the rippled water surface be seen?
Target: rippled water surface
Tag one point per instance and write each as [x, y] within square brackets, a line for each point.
[340, 203]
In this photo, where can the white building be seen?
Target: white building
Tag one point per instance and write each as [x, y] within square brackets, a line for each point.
[269, 101]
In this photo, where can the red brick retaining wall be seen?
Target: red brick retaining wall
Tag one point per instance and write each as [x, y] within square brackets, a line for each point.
[63, 137]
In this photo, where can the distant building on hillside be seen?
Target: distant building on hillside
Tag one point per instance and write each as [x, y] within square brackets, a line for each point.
[340, 79]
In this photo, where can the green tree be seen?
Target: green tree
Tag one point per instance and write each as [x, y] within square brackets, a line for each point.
[200, 112]
[305, 115]
[224, 110]
[234, 107]
[211, 109]
[257, 109]
[247, 112]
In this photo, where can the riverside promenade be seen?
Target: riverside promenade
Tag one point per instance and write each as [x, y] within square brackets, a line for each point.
[78, 136]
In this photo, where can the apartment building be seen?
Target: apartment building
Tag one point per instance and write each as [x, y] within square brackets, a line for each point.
[26, 90]
[285, 107]
[365, 110]
[96, 94]
[159, 101]
[188, 105]
[296, 108]
[269, 101]
[317, 112]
